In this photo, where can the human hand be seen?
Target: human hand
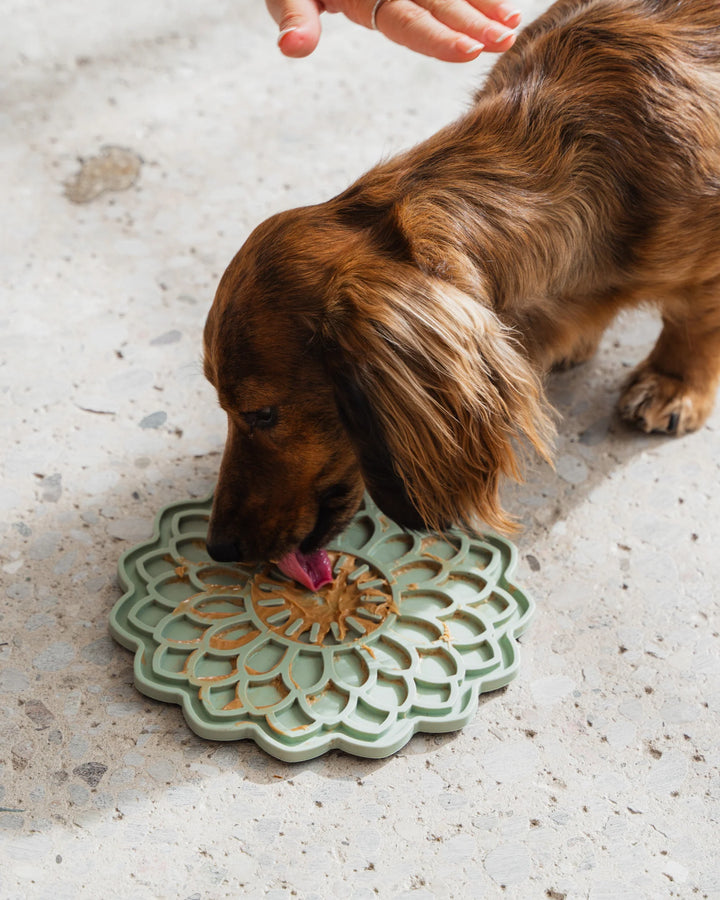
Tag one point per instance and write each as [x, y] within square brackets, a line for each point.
[450, 30]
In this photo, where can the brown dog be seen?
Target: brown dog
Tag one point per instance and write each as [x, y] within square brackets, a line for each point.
[395, 337]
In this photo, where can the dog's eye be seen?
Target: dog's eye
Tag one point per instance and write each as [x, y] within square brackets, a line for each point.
[261, 418]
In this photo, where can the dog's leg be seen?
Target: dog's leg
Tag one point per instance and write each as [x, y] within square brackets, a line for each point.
[673, 390]
[581, 352]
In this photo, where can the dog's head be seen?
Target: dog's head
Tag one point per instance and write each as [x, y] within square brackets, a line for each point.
[344, 364]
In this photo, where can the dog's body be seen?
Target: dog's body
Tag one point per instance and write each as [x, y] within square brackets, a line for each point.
[395, 337]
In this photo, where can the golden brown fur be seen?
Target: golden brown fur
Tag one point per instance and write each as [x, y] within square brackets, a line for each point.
[396, 336]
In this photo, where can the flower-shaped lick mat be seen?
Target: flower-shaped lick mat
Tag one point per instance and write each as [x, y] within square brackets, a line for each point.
[413, 628]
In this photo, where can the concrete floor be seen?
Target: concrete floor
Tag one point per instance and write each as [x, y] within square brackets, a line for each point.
[593, 775]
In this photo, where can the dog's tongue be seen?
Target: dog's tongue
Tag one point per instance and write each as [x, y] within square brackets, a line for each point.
[312, 570]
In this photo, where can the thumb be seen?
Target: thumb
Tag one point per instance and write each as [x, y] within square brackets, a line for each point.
[299, 23]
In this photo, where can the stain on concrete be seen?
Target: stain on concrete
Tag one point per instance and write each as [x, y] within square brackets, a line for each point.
[113, 169]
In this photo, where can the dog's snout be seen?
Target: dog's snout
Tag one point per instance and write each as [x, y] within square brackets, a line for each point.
[224, 550]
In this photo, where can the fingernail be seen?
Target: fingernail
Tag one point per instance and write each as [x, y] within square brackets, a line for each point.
[284, 32]
[494, 34]
[509, 14]
[468, 46]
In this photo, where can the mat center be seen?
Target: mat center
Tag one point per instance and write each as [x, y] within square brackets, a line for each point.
[356, 604]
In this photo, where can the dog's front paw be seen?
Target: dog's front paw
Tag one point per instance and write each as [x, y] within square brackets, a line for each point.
[663, 404]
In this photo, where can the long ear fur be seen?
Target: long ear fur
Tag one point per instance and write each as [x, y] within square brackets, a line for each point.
[450, 389]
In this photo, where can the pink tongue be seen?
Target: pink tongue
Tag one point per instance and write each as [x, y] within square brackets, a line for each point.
[312, 570]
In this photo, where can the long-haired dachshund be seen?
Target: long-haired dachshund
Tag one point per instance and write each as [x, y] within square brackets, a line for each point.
[395, 337]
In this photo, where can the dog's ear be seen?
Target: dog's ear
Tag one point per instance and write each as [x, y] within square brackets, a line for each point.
[435, 394]
[382, 478]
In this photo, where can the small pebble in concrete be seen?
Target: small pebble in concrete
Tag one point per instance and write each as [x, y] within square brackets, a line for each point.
[547, 691]
[508, 864]
[55, 657]
[170, 337]
[596, 433]
[52, 488]
[79, 795]
[91, 772]
[132, 528]
[571, 469]
[77, 746]
[99, 651]
[154, 420]
[45, 546]
[13, 681]
[38, 713]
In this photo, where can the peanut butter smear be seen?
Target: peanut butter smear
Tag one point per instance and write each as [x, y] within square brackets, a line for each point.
[360, 602]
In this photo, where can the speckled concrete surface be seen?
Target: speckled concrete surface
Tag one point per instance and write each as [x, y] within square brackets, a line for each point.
[594, 774]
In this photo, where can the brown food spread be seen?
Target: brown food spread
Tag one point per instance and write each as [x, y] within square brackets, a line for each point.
[359, 601]
[366, 600]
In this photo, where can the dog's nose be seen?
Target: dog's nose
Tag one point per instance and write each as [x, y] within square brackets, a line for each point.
[223, 550]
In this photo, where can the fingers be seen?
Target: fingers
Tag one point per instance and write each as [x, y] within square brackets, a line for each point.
[474, 20]
[449, 30]
[299, 24]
